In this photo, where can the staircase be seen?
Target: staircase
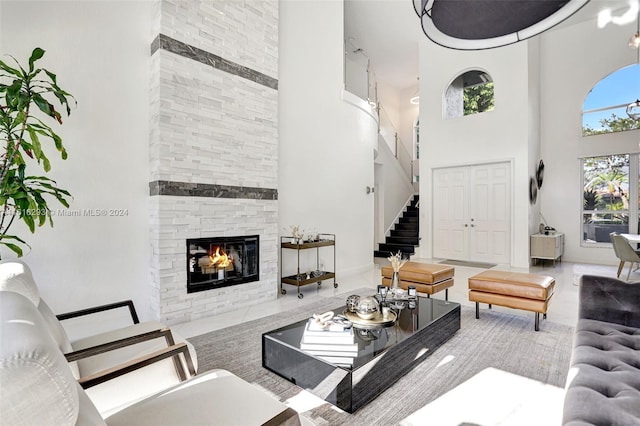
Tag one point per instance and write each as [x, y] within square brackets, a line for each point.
[404, 235]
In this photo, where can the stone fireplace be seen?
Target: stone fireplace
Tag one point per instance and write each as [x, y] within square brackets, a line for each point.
[213, 152]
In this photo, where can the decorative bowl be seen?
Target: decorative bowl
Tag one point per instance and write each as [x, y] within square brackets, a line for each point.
[367, 307]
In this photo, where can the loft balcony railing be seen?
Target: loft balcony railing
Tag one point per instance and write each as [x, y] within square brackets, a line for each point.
[359, 76]
[390, 135]
[360, 80]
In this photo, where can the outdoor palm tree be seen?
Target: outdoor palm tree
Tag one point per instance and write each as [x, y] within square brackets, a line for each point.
[607, 175]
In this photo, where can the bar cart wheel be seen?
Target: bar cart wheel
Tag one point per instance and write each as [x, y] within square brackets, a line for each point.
[335, 285]
[300, 295]
[283, 291]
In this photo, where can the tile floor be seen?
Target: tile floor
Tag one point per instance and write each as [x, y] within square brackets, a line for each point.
[563, 308]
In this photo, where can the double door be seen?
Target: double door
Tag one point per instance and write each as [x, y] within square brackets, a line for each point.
[472, 213]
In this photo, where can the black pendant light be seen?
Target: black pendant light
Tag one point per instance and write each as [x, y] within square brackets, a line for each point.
[485, 24]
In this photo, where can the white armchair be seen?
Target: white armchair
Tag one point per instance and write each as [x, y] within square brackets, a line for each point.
[92, 359]
[38, 388]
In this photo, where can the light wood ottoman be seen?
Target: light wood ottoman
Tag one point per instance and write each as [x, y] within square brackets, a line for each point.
[425, 277]
[530, 292]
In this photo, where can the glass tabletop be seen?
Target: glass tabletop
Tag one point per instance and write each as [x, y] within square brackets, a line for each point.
[413, 316]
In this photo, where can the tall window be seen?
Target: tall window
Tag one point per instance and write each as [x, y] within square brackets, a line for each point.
[610, 196]
[470, 93]
[604, 109]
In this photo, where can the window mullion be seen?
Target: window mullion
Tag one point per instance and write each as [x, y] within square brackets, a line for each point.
[634, 173]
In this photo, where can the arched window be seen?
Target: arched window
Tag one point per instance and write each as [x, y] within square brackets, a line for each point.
[469, 93]
[605, 107]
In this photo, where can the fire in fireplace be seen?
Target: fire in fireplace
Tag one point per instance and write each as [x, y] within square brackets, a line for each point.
[222, 262]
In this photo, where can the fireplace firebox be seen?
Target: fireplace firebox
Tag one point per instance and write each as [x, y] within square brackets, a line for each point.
[222, 262]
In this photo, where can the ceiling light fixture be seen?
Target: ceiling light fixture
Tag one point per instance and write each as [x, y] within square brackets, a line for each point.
[415, 99]
[485, 24]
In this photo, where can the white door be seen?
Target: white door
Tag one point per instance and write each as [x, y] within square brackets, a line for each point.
[471, 211]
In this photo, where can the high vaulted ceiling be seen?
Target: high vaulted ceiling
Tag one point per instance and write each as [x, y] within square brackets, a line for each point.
[388, 32]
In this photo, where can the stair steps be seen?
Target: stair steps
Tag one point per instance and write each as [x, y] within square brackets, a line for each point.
[405, 234]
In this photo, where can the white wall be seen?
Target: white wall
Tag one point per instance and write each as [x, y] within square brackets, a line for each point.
[533, 128]
[100, 52]
[498, 135]
[573, 60]
[326, 144]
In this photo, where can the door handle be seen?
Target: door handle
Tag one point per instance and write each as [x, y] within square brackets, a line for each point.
[465, 225]
[472, 225]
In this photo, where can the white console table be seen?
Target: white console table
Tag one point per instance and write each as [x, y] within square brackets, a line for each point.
[544, 246]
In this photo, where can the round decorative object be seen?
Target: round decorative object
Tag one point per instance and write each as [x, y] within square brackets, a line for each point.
[540, 174]
[371, 324]
[352, 302]
[533, 190]
[367, 307]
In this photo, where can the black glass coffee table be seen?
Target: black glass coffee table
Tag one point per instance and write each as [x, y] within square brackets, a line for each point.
[383, 355]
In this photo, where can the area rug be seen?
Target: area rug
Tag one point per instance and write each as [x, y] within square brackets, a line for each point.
[482, 265]
[496, 340]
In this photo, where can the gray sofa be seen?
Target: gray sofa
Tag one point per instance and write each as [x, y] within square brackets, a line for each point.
[603, 385]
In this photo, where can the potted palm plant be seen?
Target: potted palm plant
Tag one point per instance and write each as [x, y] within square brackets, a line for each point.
[28, 99]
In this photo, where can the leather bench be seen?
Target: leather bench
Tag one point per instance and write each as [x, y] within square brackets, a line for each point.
[425, 277]
[530, 292]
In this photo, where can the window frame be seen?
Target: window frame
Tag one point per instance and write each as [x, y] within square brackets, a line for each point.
[633, 211]
[447, 94]
[607, 106]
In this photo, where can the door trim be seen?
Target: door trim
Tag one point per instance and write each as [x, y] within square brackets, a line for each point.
[510, 162]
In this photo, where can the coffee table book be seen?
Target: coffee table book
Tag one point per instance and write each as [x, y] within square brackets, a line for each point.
[344, 336]
[326, 353]
[338, 360]
[315, 328]
[333, 347]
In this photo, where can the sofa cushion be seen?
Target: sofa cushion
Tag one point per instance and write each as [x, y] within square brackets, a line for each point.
[16, 276]
[37, 386]
[609, 299]
[603, 386]
[216, 397]
[419, 272]
[516, 284]
[135, 385]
